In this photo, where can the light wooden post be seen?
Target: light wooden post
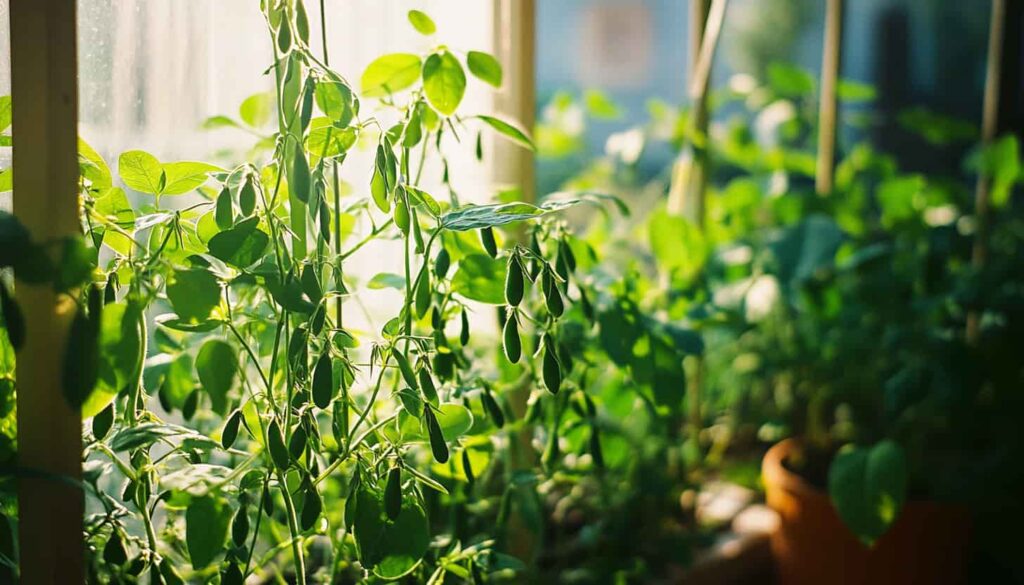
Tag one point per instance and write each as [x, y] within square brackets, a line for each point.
[45, 125]
[827, 113]
[515, 46]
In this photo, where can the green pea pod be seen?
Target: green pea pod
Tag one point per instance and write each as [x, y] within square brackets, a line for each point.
[300, 179]
[325, 223]
[247, 197]
[595, 447]
[487, 239]
[275, 444]
[514, 281]
[306, 110]
[223, 213]
[566, 253]
[81, 356]
[464, 331]
[405, 368]
[417, 233]
[379, 190]
[284, 36]
[401, 214]
[422, 299]
[301, 21]
[311, 284]
[588, 309]
[102, 422]
[240, 526]
[393, 494]
[493, 408]
[552, 371]
[552, 296]
[297, 444]
[437, 445]
[442, 263]
[467, 468]
[113, 551]
[319, 318]
[268, 502]
[513, 345]
[323, 382]
[230, 432]
[427, 386]
[436, 322]
[311, 506]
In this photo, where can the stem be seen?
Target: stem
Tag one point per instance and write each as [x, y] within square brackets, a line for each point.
[293, 528]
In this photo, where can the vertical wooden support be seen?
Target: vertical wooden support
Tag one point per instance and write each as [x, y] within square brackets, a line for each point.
[989, 129]
[827, 113]
[515, 46]
[44, 79]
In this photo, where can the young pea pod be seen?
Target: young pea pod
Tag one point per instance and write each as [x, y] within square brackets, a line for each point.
[102, 422]
[442, 263]
[246, 198]
[301, 181]
[551, 369]
[437, 443]
[467, 468]
[275, 444]
[297, 444]
[223, 214]
[493, 408]
[240, 526]
[230, 433]
[595, 447]
[487, 239]
[403, 365]
[464, 330]
[552, 296]
[312, 506]
[513, 345]
[393, 494]
[422, 300]
[323, 382]
[402, 217]
[514, 281]
[427, 386]
[325, 223]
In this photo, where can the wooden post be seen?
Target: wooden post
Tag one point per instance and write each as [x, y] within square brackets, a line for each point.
[830, 61]
[44, 77]
[515, 46]
[989, 130]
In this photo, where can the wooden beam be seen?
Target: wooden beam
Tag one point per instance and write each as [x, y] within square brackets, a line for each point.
[827, 113]
[515, 31]
[44, 79]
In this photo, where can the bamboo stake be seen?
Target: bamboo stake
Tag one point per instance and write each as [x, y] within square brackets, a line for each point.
[514, 39]
[989, 130]
[44, 78]
[827, 114]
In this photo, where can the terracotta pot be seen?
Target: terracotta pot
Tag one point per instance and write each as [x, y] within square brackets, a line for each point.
[928, 543]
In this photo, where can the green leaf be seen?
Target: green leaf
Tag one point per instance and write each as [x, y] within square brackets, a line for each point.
[257, 109]
[677, 244]
[484, 67]
[334, 98]
[93, 167]
[868, 488]
[386, 280]
[217, 365]
[120, 354]
[600, 105]
[390, 549]
[182, 177]
[472, 217]
[422, 23]
[240, 246]
[852, 91]
[140, 171]
[193, 293]
[444, 82]
[509, 131]
[145, 434]
[790, 81]
[480, 278]
[390, 73]
[206, 529]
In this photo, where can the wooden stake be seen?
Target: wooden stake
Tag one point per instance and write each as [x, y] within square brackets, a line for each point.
[989, 130]
[830, 63]
[515, 45]
[44, 74]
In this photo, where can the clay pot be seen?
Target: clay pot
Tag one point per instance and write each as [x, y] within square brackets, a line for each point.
[928, 543]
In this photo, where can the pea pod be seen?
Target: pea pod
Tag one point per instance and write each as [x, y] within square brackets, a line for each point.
[442, 263]
[393, 494]
[379, 191]
[402, 218]
[552, 296]
[230, 433]
[284, 36]
[300, 180]
[223, 214]
[514, 281]
[302, 22]
[311, 506]
[275, 444]
[467, 468]
[487, 239]
[422, 300]
[240, 526]
[247, 197]
[311, 284]
[595, 447]
[493, 408]
[102, 422]
[323, 382]
[464, 331]
[405, 368]
[437, 444]
[188, 410]
[306, 110]
[552, 371]
[297, 444]
[427, 386]
[513, 345]
[565, 251]
[325, 223]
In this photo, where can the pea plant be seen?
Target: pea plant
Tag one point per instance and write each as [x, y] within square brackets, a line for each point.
[238, 424]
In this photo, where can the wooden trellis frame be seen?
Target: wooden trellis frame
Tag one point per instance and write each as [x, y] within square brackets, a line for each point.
[44, 81]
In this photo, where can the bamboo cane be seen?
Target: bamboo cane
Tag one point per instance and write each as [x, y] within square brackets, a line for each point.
[827, 113]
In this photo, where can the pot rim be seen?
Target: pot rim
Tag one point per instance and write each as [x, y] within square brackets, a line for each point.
[775, 472]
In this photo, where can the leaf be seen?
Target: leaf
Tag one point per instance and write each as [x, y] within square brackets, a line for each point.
[600, 105]
[390, 549]
[480, 278]
[182, 177]
[193, 293]
[509, 131]
[334, 98]
[868, 488]
[386, 280]
[145, 434]
[93, 167]
[257, 109]
[789, 80]
[422, 23]
[120, 354]
[472, 217]
[217, 365]
[389, 74]
[240, 246]
[444, 82]
[484, 67]
[80, 369]
[677, 244]
[140, 171]
[206, 529]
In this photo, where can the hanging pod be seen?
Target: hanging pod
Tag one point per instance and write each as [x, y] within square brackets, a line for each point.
[102, 422]
[512, 343]
[464, 331]
[442, 262]
[422, 297]
[223, 213]
[551, 370]
[402, 217]
[427, 386]
[325, 222]
[467, 468]
[230, 432]
[240, 525]
[247, 197]
[487, 239]
[312, 506]
[437, 444]
[552, 296]
[403, 365]
[595, 447]
[275, 444]
[297, 444]
[514, 281]
[323, 381]
[493, 408]
[300, 178]
[393, 493]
